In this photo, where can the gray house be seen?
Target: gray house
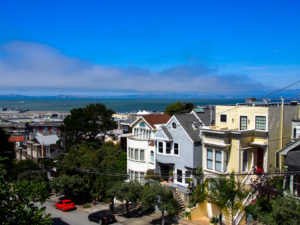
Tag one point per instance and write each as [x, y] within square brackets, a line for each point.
[179, 149]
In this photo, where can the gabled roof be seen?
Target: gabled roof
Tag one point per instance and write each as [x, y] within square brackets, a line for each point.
[154, 119]
[47, 139]
[187, 121]
[294, 145]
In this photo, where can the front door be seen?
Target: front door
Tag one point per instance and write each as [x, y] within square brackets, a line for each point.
[260, 161]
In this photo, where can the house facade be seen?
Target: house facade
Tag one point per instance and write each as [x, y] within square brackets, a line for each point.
[178, 150]
[140, 145]
[246, 138]
[42, 146]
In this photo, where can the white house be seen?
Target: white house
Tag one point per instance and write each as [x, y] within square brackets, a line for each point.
[140, 145]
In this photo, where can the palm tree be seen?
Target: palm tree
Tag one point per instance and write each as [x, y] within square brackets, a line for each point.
[199, 193]
[227, 195]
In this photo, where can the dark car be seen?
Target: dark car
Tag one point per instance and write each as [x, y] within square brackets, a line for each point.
[102, 217]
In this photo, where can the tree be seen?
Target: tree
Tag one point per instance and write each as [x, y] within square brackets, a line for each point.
[130, 192]
[179, 108]
[160, 196]
[199, 193]
[6, 150]
[74, 187]
[86, 123]
[226, 194]
[114, 192]
[17, 201]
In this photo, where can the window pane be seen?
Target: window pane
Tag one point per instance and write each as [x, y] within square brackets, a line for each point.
[168, 147]
[136, 154]
[243, 123]
[218, 156]
[209, 164]
[142, 179]
[245, 160]
[223, 118]
[226, 156]
[131, 155]
[179, 175]
[152, 156]
[136, 175]
[128, 152]
[209, 154]
[260, 122]
[176, 150]
[142, 155]
[218, 166]
[160, 147]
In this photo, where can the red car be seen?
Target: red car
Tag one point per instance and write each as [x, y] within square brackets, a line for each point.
[65, 205]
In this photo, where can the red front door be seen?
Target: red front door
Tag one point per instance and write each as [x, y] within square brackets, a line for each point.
[260, 161]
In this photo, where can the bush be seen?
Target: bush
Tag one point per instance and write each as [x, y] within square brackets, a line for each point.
[187, 215]
[85, 206]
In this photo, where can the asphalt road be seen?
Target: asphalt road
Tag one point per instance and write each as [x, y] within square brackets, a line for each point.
[74, 217]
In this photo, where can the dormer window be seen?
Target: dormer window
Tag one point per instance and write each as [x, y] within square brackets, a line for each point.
[142, 124]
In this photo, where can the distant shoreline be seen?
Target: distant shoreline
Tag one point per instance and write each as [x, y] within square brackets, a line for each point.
[121, 105]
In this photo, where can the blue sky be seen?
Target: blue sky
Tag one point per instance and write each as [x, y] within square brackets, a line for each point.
[155, 47]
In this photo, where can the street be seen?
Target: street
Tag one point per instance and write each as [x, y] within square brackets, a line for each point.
[74, 217]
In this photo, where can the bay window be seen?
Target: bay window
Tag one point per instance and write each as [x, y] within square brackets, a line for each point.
[217, 160]
[168, 148]
[160, 147]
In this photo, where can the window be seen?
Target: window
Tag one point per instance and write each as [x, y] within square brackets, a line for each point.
[136, 175]
[176, 149]
[209, 163]
[223, 118]
[142, 124]
[174, 125]
[160, 147]
[131, 155]
[168, 147]
[136, 154]
[142, 177]
[226, 159]
[243, 122]
[135, 131]
[187, 176]
[260, 123]
[142, 155]
[295, 133]
[218, 164]
[179, 176]
[152, 156]
[47, 150]
[245, 161]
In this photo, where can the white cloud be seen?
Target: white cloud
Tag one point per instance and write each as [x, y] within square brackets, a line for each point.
[27, 65]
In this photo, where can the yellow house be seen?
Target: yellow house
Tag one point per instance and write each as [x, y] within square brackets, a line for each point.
[245, 139]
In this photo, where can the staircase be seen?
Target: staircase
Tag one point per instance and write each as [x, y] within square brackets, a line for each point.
[181, 204]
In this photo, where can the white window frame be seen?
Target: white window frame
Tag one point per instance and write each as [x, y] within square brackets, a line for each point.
[240, 121]
[266, 122]
[214, 160]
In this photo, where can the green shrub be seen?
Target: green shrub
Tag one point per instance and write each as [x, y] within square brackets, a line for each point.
[85, 206]
[187, 215]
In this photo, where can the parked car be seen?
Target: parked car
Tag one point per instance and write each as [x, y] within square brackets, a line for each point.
[65, 205]
[102, 217]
